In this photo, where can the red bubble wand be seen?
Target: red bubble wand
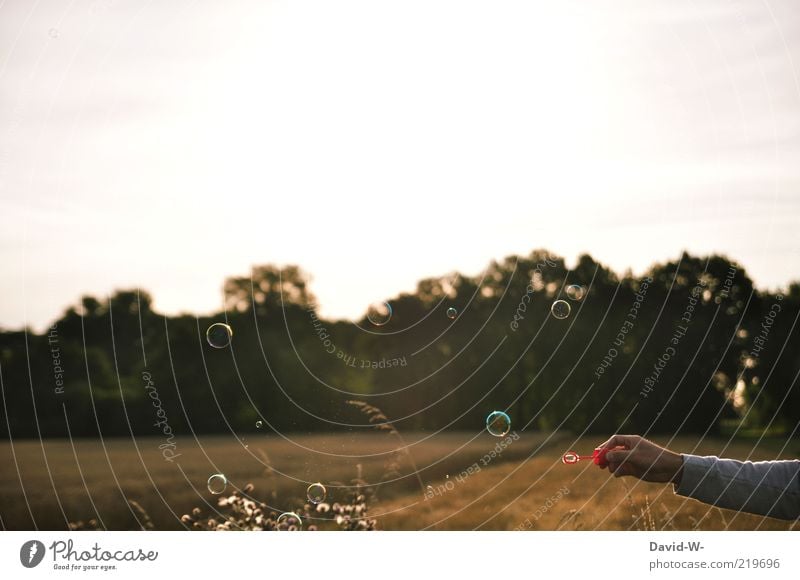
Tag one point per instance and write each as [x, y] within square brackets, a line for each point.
[598, 457]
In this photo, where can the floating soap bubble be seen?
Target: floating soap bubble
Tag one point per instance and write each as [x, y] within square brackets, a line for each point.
[575, 292]
[379, 313]
[290, 521]
[217, 483]
[452, 313]
[560, 309]
[498, 423]
[316, 493]
[219, 335]
[259, 424]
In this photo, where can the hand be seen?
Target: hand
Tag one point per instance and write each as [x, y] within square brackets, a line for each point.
[642, 459]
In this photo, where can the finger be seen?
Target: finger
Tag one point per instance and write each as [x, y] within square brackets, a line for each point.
[626, 441]
[624, 469]
[612, 467]
[618, 456]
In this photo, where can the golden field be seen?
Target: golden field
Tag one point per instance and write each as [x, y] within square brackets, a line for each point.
[48, 484]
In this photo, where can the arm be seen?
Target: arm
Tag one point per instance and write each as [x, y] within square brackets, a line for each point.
[769, 488]
[766, 487]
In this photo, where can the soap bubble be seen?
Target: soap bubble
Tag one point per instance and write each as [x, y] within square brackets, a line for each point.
[575, 292]
[498, 423]
[217, 483]
[219, 335]
[560, 309]
[379, 313]
[452, 313]
[316, 493]
[290, 521]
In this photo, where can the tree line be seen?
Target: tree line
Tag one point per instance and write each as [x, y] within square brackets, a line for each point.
[690, 346]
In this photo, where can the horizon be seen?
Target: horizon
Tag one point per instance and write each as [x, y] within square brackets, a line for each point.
[316, 303]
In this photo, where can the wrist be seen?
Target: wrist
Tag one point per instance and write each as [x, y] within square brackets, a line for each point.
[676, 469]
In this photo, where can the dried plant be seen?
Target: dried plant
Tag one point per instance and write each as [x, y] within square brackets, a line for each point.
[81, 526]
[381, 422]
[722, 516]
[143, 520]
[351, 515]
[375, 416]
[645, 518]
[143, 517]
[269, 472]
[573, 518]
[632, 506]
[668, 520]
[697, 521]
[239, 511]
[642, 516]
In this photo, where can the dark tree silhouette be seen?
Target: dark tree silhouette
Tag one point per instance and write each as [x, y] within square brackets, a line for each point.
[704, 351]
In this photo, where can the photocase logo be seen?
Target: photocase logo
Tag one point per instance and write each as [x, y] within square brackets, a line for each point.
[31, 553]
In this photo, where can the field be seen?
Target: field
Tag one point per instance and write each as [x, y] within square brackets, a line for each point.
[48, 484]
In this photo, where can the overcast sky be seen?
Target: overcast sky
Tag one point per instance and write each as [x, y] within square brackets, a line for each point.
[170, 144]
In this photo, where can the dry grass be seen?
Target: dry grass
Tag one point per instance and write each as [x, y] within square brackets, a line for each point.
[122, 487]
[515, 495]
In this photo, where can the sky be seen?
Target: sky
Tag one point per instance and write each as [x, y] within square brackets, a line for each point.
[168, 145]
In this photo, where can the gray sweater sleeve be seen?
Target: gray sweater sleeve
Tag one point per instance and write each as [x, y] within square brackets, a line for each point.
[769, 488]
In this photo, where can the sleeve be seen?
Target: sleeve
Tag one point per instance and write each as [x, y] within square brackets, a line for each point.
[769, 488]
